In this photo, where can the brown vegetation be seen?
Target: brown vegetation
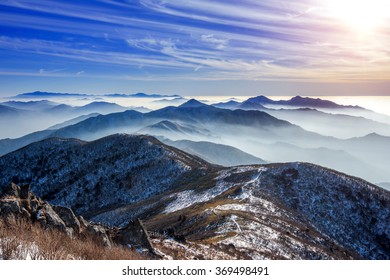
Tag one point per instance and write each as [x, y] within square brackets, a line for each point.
[20, 239]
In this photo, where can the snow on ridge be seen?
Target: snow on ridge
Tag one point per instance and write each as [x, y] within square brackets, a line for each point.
[187, 198]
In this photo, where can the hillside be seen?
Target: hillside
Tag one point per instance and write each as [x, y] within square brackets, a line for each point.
[279, 211]
[89, 175]
[32, 229]
[192, 209]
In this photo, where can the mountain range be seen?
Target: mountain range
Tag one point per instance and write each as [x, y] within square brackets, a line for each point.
[194, 209]
[258, 179]
[44, 95]
[253, 132]
[20, 118]
[318, 115]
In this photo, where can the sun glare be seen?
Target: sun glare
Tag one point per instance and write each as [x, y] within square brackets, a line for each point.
[363, 15]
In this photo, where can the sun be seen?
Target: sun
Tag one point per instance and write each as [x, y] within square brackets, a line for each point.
[362, 15]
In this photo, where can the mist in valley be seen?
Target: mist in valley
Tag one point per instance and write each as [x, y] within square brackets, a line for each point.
[352, 143]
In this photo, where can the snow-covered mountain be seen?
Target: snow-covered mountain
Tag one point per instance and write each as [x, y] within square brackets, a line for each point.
[90, 175]
[193, 209]
[292, 211]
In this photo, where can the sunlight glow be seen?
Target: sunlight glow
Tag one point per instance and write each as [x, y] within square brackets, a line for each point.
[362, 15]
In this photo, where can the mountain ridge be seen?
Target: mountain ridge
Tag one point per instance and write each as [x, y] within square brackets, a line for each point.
[273, 211]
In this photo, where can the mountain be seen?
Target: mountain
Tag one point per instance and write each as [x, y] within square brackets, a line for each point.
[298, 101]
[40, 105]
[83, 175]
[278, 211]
[72, 121]
[100, 107]
[201, 116]
[324, 123]
[60, 109]
[42, 94]
[215, 153]
[174, 130]
[317, 120]
[373, 148]
[32, 116]
[170, 102]
[193, 103]
[231, 104]
[249, 105]
[200, 113]
[16, 122]
[9, 145]
[104, 125]
[262, 100]
[252, 131]
[323, 105]
[9, 111]
[90, 128]
[144, 95]
[336, 158]
[192, 209]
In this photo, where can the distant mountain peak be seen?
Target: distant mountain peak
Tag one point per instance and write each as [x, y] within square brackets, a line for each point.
[102, 103]
[312, 102]
[43, 94]
[166, 125]
[298, 97]
[145, 95]
[251, 105]
[261, 99]
[193, 103]
[374, 136]
[231, 104]
[299, 101]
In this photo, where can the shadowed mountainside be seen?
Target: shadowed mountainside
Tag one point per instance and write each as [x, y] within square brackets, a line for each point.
[193, 209]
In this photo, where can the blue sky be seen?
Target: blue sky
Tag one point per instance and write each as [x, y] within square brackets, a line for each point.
[196, 47]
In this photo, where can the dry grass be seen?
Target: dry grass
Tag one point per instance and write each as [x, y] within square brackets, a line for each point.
[20, 239]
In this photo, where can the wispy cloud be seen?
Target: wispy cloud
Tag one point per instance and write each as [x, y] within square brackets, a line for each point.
[249, 40]
[218, 42]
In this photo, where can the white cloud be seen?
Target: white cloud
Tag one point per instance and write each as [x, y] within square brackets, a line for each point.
[218, 42]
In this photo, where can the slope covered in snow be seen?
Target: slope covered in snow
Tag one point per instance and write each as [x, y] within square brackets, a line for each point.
[89, 175]
[193, 209]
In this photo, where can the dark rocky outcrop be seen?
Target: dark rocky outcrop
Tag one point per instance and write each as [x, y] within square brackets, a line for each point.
[69, 218]
[135, 234]
[18, 202]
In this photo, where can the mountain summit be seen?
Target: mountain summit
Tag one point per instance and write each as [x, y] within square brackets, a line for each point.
[193, 103]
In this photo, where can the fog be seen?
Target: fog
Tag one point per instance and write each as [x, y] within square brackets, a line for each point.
[334, 139]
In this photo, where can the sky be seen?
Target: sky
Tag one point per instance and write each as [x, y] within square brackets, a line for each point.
[196, 47]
